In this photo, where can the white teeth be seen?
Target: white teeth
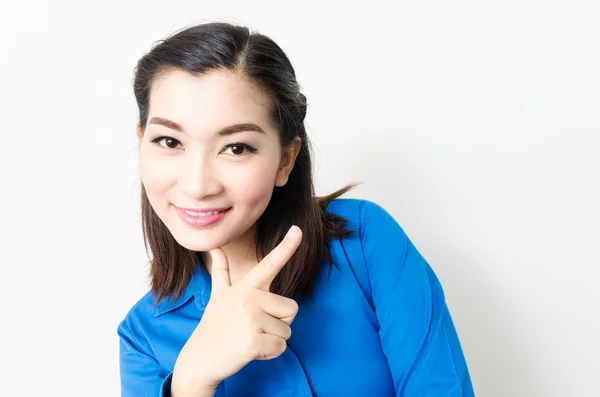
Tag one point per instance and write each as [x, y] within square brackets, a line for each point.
[194, 213]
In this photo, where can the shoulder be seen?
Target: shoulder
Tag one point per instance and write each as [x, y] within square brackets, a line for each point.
[365, 217]
[378, 238]
[138, 317]
[376, 251]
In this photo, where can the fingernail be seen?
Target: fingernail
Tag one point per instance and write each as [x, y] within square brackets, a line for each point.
[293, 232]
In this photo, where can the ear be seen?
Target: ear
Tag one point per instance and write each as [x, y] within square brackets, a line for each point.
[138, 132]
[288, 159]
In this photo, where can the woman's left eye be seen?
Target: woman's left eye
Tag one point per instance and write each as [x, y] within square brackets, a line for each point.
[238, 149]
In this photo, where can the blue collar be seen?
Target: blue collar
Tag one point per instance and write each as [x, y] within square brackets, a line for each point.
[199, 287]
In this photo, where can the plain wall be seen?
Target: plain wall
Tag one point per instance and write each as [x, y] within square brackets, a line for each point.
[474, 123]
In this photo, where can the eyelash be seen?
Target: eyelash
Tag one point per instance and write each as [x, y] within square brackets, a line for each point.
[249, 148]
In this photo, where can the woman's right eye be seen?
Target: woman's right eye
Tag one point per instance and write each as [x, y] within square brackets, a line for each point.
[171, 143]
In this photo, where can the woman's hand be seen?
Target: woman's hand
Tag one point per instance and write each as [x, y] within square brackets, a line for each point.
[241, 323]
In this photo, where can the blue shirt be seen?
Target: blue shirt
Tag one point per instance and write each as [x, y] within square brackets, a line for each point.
[377, 324]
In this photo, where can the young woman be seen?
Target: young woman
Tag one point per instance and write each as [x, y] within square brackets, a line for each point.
[259, 288]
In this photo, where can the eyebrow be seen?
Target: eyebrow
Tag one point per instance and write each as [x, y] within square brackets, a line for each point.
[232, 129]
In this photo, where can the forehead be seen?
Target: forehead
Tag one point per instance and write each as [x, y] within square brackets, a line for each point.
[208, 101]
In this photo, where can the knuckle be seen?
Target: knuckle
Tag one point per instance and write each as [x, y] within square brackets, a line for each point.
[287, 332]
[269, 265]
[275, 264]
[245, 300]
[254, 323]
[250, 321]
[293, 306]
[280, 346]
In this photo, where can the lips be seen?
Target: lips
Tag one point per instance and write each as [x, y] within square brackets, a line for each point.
[202, 213]
[217, 209]
[201, 217]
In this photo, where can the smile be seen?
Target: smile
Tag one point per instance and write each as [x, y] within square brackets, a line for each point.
[200, 219]
[195, 213]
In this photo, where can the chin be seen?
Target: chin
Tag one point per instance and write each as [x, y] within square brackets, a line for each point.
[194, 243]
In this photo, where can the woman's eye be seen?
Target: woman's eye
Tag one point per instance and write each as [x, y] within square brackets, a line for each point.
[170, 143]
[238, 149]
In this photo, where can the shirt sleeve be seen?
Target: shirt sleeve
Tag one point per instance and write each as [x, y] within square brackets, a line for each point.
[416, 329]
[141, 374]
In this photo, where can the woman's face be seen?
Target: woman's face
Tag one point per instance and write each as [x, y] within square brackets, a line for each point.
[209, 145]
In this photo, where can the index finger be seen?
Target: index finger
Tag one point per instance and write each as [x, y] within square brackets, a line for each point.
[263, 274]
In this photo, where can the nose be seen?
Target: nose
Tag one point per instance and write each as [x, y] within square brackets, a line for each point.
[198, 178]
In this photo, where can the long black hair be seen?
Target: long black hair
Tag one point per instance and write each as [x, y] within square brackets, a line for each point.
[207, 47]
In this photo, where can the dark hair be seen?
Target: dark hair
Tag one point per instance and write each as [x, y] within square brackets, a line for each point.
[198, 50]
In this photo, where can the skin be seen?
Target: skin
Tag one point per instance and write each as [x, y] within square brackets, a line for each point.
[241, 323]
[194, 168]
[198, 168]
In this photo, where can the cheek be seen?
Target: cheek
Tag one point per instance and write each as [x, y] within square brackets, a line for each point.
[255, 185]
[154, 174]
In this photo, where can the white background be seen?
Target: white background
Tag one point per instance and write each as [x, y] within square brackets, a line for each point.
[476, 124]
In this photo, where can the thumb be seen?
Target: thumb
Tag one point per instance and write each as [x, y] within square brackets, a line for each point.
[219, 269]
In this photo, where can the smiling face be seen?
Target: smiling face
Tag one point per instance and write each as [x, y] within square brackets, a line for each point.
[210, 147]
